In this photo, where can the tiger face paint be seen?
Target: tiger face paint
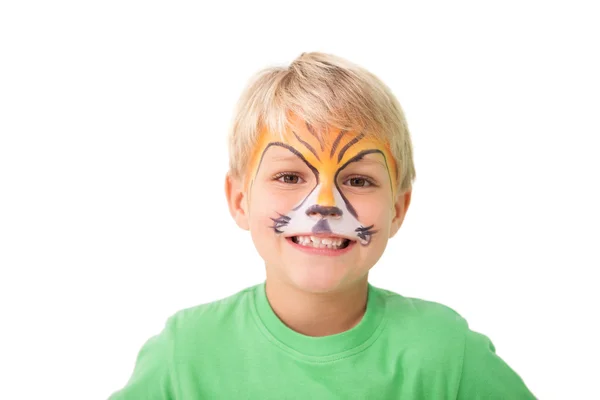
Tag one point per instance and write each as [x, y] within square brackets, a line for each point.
[324, 210]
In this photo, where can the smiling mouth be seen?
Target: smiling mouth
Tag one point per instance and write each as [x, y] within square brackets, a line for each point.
[335, 243]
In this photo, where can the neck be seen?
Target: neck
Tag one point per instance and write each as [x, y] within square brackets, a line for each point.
[318, 314]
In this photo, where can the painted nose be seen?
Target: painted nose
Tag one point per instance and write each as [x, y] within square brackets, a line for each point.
[322, 212]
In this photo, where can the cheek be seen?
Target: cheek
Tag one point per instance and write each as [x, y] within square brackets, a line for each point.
[372, 210]
[267, 201]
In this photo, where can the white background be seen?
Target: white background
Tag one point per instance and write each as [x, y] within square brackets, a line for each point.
[113, 122]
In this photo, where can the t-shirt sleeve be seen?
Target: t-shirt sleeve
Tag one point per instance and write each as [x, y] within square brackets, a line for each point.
[487, 376]
[151, 378]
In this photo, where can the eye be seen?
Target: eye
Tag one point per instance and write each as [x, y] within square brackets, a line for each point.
[359, 181]
[288, 178]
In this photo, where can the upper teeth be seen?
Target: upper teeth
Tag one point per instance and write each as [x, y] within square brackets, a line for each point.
[318, 242]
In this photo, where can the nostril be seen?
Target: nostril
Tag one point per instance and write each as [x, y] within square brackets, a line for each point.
[324, 212]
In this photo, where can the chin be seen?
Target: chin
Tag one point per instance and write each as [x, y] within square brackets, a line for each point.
[321, 271]
[317, 277]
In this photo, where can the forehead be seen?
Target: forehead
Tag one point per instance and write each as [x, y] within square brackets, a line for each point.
[282, 154]
[331, 146]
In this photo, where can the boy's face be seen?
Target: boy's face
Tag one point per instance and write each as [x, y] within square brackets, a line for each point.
[320, 213]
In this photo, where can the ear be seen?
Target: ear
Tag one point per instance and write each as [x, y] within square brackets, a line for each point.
[237, 200]
[400, 208]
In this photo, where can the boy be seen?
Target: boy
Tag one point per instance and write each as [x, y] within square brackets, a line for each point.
[320, 174]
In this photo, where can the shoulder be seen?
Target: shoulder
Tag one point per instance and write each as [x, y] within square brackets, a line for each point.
[418, 313]
[429, 330]
[209, 318]
[439, 339]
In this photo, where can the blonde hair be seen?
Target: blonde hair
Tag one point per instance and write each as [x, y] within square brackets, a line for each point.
[325, 91]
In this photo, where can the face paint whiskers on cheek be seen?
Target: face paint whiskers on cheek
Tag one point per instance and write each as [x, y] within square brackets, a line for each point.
[280, 222]
[365, 233]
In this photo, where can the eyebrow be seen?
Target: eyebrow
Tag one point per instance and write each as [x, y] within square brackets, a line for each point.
[290, 157]
[295, 155]
[367, 159]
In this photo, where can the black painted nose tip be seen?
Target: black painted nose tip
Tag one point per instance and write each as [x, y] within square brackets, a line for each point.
[324, 211]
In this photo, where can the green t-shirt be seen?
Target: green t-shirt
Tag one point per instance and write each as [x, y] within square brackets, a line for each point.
[403, 348]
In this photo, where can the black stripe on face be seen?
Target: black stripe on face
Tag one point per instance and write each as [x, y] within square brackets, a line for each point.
[348, 145]
[336, 143]
[308, 146]
[294, 151]
[304, 200]
[351, 209]
[360, 156]
[312, 132]
[356, 158]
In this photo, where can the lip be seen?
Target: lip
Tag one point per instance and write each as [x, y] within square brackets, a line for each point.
[321, 252]
[323, 235]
